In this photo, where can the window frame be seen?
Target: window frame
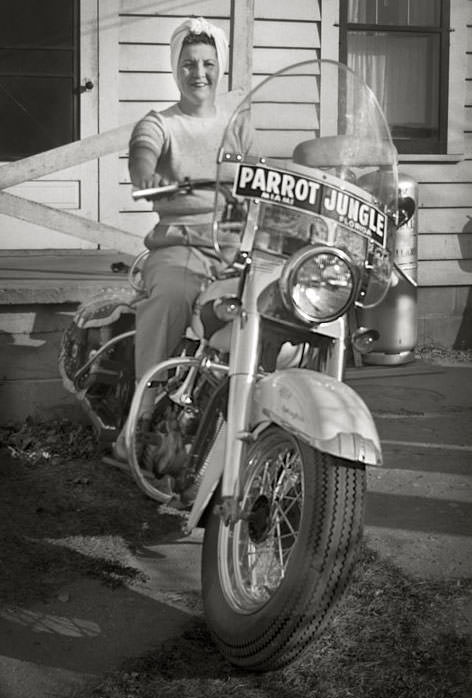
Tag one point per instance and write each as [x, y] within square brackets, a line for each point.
[433, 146]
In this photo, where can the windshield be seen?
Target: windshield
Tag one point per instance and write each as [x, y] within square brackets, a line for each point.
[311, 145]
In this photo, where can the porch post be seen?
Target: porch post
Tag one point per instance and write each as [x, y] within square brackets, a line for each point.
[108, 61]
[241, 40]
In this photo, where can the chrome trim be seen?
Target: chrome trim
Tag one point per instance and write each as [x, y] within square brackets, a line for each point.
[134, 413]
[111, 342]
[134, 271]
[292, 266]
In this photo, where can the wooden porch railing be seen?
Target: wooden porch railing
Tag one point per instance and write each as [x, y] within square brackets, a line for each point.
[63, 221]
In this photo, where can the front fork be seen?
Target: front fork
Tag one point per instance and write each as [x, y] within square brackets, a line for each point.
[243, 367]
[243, 371]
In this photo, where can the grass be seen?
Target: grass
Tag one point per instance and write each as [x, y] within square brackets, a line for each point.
[391, 637]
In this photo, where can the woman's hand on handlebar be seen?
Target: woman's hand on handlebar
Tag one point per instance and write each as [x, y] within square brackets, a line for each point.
[144, 182]
[152, 192]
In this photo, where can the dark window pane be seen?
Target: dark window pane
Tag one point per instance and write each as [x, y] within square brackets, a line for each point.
[36, 23]
[395, 12]
[389, 12]
[35, 115]
[425, 13]
[402, 70]
[362, 11]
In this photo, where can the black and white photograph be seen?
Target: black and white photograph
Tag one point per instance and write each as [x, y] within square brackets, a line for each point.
[236, 348]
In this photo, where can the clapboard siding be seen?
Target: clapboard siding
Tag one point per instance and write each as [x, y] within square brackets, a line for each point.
[468, 137]
[468, 91]
[437, 247]
[440, 222]
[139, 221]
[156, 30]
[277, 9]
[144, 58]
[269, 60]
[295, 91]
[437, 172]
[445, 194]
[154, 87]
[182, 8]
[131, 206]
[445, 273]
[284, 34]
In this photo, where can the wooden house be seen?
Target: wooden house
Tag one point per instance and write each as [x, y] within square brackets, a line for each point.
[76, 74]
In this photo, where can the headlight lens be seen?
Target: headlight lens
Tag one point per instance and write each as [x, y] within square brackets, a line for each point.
[318, 284]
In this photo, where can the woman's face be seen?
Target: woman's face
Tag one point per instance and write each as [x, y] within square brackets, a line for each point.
[198, 74]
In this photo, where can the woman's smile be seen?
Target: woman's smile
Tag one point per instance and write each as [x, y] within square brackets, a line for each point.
[197, 76]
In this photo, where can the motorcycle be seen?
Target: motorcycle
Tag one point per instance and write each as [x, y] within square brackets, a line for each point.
[254, 436]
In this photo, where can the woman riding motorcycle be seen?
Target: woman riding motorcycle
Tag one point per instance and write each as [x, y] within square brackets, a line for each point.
[253, 435]
[180, 142]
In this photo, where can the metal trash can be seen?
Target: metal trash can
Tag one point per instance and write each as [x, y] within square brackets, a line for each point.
[396, 317]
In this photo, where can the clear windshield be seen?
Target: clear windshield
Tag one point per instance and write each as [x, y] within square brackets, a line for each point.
[311, 145]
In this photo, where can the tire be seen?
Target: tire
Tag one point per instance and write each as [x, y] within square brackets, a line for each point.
[260, 620]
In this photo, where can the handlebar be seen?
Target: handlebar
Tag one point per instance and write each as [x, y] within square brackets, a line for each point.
[185, 187]
[154, 192]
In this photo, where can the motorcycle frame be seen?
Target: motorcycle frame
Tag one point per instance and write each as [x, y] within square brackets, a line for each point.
[252, 396]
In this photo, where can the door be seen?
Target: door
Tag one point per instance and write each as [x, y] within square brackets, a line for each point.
[48, 98]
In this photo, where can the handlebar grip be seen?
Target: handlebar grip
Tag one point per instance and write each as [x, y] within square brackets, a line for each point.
[154, 192]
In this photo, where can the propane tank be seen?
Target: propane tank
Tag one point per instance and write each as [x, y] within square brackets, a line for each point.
[395, 318]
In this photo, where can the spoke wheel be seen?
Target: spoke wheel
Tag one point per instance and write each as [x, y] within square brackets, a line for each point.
[271, 581]
[255, 552]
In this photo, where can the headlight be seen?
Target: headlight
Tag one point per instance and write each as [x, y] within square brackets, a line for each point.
[318, 284]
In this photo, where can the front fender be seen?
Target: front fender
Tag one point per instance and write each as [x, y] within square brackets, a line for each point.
[321, 411]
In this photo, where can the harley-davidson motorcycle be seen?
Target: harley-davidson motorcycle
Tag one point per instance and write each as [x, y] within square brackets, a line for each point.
[254, 436]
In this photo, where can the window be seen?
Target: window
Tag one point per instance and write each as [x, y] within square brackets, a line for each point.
[39, 68]
[401, 48]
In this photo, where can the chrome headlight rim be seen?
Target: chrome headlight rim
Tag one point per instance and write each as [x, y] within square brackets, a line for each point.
[289, 273]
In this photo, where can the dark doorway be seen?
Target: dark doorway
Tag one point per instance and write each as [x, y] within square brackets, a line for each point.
[39, 76]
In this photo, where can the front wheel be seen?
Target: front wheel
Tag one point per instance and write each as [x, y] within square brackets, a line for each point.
[271, 580]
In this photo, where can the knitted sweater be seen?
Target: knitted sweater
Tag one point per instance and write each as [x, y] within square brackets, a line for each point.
[186, 146]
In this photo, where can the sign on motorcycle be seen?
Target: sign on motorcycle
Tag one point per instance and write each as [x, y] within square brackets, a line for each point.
[314, 195]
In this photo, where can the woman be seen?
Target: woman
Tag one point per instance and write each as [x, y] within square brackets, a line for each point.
[181, 141]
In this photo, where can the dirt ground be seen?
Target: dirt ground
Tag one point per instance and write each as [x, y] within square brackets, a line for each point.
[91, 572]
[63, 520]
[72, 531]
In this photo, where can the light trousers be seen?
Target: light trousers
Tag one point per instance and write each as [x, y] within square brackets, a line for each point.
[173, 278]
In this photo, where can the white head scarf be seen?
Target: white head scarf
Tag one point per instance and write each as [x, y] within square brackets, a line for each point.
[198, 25]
